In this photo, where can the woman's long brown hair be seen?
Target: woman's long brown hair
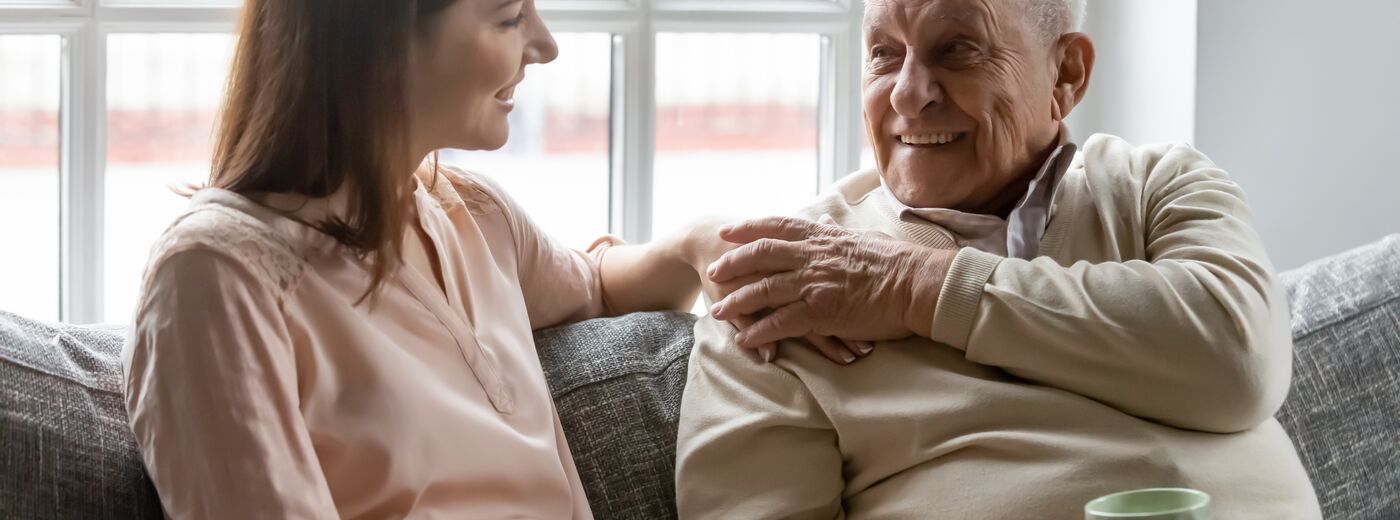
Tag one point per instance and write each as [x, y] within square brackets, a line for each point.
[317, 99]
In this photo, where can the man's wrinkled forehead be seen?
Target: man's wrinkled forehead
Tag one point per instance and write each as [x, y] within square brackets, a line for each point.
[902, 16]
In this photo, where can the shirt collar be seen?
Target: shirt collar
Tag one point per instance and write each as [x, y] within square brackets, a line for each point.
[989, 232]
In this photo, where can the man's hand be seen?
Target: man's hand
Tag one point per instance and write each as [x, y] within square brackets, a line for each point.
[819, 279]
[702, 245]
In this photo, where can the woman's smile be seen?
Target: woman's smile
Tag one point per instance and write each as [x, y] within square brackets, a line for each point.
[506, 97]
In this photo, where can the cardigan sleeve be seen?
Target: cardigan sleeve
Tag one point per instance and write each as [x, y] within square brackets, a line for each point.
[1193, 334]
[753, 441]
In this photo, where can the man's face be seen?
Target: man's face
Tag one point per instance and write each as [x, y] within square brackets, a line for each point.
[959, 100]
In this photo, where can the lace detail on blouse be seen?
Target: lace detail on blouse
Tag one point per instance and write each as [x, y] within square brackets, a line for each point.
[246, 240]
[455, 186]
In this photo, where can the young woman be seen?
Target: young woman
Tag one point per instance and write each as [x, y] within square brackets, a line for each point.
[337, 328]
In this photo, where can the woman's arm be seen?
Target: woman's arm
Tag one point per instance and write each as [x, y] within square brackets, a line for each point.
[211, 393]
[662, 275]
[562, 285]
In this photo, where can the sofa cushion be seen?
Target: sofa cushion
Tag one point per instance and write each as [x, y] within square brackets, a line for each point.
[66, 451]
[1343, 412]
[65, 448]
[617, 384]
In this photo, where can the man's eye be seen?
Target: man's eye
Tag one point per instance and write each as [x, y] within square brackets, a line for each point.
[959, 48]
[881, 53]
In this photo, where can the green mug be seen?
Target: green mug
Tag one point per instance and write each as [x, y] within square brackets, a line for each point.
[1151, 504]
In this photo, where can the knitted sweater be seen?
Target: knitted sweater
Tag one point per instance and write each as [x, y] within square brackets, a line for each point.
[1148, 346]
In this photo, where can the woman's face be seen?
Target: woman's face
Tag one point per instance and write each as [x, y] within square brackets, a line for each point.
[466, 68]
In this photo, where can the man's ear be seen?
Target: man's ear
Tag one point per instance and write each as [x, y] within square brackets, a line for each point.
[1075, 55]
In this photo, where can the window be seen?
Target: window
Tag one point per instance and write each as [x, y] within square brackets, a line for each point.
[867, 153]
[736, 129]
[656, 112]
[556, 161]
[29, 174]
[162, 94]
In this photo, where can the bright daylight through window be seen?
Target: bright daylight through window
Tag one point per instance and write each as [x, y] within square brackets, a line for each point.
[656, 112]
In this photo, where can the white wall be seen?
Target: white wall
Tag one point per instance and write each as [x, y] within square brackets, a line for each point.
[1300, 101]
[1144, 83]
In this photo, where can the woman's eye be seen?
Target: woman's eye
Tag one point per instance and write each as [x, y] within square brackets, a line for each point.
[515, 22]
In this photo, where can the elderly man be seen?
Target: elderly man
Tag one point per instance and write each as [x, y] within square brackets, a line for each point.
[1038, 325]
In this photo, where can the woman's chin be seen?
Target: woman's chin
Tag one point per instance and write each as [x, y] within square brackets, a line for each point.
[490, 141]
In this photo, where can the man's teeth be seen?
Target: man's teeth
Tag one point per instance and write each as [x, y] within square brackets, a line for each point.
[930, 138]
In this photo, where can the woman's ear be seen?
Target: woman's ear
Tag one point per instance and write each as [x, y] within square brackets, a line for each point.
[1075, 52]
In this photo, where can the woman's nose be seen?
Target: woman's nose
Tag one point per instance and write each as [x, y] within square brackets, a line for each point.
[541, 48]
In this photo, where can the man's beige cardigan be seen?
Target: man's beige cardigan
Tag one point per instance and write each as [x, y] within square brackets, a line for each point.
[1148, 346]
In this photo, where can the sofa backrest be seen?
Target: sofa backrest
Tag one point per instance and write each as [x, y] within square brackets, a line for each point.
[1343, 412]
[65, 448]
[66, 451]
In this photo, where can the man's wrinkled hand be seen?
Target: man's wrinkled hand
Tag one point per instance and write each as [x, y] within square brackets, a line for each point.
[803, 278]
[704, 245]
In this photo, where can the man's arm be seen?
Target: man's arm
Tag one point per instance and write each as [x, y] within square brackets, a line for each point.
[753, 442]
[1195, 335]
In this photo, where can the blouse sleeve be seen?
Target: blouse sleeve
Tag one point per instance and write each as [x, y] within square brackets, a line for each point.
[211, 391]
[561, 285]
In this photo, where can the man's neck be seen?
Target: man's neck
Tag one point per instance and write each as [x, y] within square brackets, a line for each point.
[1006, 201]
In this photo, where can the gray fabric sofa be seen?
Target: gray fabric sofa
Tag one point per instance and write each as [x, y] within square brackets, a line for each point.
[66, 452]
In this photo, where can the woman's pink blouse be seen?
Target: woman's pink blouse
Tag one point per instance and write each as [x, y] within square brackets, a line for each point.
[258, 388]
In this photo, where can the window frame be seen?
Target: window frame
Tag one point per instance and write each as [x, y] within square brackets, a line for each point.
[85, 25]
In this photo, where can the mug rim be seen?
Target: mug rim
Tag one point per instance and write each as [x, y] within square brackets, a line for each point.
[1088, 508]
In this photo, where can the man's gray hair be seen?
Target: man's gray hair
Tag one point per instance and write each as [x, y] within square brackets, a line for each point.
[1055, 18]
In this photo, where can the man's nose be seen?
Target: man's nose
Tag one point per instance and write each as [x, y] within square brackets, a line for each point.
[916, 89]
